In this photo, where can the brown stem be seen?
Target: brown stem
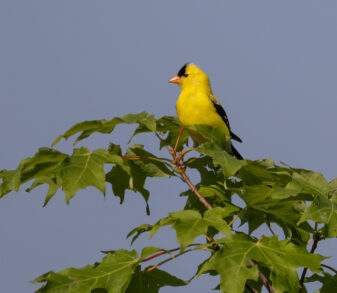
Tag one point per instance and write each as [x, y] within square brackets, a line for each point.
[195, 191]
[167, 260]
[263, 278]
[159, 254]
[179, 135]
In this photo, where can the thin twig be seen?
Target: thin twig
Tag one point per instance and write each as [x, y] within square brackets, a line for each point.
[330, 268]
[195, 191]
[236, 217]
[159, 254]
[134, 157]
[270, 229]
[263, 278]
[167, 260]
[251, 289]
[316, 238]
[165, 252]
[179, 135]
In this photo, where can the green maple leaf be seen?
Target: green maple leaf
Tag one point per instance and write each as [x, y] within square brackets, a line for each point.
[229, 165]
[83, 169]
[323, 210]
[42, 167]
[231, 264]
[113, 275]
[282, 258]
[144, 120]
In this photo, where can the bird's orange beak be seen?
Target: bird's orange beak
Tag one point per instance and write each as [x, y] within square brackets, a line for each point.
[175, 79]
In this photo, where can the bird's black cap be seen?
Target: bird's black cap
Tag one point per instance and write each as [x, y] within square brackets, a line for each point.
[182, 71]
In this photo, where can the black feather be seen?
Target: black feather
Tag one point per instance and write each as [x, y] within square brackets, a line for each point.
[224, 117]
[236, 154]
[235, 137]
[182, 71]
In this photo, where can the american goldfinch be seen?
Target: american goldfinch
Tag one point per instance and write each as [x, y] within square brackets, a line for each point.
[197, 105]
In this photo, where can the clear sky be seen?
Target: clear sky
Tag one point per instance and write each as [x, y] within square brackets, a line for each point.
[272, 64]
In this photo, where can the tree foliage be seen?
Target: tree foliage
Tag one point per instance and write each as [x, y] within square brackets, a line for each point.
[300, 202]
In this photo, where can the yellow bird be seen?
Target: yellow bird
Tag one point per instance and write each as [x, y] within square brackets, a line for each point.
[197, 105]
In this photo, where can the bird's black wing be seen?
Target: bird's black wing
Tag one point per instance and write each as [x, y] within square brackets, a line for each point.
[224, 117]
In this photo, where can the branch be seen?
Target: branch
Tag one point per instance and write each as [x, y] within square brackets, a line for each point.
[178, 160]
[263, 278]
[195, 191]
[316, 238]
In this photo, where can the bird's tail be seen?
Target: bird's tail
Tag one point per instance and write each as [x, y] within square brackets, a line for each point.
[236, 154]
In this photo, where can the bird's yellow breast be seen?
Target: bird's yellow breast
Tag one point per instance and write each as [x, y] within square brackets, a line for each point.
[195, 107]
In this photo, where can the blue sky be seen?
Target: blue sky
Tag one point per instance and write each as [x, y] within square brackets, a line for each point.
[272, 64]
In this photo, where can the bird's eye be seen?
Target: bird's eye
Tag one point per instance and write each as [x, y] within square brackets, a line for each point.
[185, 74]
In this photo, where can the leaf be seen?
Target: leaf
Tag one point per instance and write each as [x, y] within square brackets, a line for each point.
[119, 180]
[207, 133]
[148, 164]
[146, 121]
[152, 281]
[83, 169]
[228, 164]
[138, 231]
[188, 225]
[262, 205]
[215, 218]
[44, 164]
[329, 282]
[52, 181]
[309, 182]
[10, 181]
[149, 250]
[264, 171]
[208, 172]
[282, 258]
[323, 210]
[231, 264]
[170, 126]
[113, 274]
[132, 170]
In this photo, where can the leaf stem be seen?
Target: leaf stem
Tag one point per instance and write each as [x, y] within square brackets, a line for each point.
[330, 268]
[235, 218]
[167, 260]
[165, 251]
[159, 254]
